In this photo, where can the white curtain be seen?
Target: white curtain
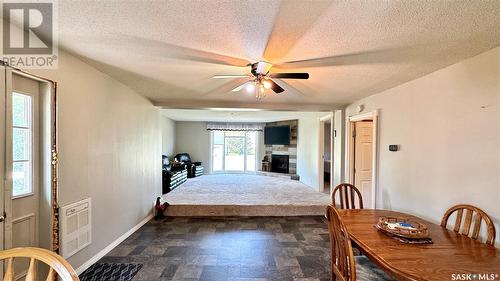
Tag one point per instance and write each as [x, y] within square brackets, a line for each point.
[235, 126]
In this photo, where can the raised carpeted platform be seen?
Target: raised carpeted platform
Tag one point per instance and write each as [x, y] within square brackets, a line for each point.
[245, 195]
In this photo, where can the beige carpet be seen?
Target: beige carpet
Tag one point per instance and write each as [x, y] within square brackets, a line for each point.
[244, 195]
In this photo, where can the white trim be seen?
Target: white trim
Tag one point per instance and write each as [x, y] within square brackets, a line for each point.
[338, 149]
[24, 217]
[3, 174]
[321, 158]
[363, 116]
[7, 195]
[371, 115]
[326, 118]
[111, 246]
[23, 195]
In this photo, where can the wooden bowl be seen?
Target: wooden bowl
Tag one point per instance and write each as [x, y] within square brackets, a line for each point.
[402, 227]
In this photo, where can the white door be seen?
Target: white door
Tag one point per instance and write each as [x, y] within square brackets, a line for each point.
[2, 159]
[22, 165]
[363, 159]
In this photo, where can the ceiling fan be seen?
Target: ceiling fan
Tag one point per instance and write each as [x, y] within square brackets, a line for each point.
[261, 79]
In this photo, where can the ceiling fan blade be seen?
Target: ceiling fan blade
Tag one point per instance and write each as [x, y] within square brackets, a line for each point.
[229, 76]
[160, 49]
[224, 86]
[237, 89]
[290, 75]
[291, 24]
[275, 87]
[263, 67]
[389, 55]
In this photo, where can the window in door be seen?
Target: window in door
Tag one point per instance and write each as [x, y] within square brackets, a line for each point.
[233, 151]
[22, 145]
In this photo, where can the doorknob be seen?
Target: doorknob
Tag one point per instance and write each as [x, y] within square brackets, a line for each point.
[2, 218]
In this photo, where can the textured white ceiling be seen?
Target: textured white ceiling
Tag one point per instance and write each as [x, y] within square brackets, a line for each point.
[168, 50]
[232, 115]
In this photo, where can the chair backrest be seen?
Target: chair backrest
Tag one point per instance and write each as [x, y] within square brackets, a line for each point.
[342, 266]
[183, 157]
[58, 266]
[471, 213]
[347, 193]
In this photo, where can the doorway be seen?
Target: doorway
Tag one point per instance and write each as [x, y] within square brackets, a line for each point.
[29, 157]
[326, 153]
[234, 151]
[362, 155]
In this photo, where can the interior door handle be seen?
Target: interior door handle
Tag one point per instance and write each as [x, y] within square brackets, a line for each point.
[2, 218]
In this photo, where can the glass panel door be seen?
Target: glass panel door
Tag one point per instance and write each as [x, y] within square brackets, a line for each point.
[234, 151]
[218, 151]
[234, 156]
[251, 148]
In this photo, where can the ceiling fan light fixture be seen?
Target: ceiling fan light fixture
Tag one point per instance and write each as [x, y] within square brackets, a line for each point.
[250, 87]
[261, 80]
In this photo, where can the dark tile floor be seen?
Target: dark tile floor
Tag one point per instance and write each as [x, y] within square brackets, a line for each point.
[229, 249]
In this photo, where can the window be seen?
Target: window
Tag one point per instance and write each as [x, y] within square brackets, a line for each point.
[22, 145]
[234, 151]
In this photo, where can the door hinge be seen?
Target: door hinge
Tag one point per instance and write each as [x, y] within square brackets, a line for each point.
[354, 132]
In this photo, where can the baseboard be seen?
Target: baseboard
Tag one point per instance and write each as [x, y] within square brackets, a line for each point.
[111, 246]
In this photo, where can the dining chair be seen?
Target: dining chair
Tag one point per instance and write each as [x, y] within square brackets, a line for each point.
[58, 266]
[347, 193]
[471, 213]
[344, 265]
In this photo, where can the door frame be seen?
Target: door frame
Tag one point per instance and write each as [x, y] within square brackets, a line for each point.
[50, 159]
[349, 148]
[3, 180]
[321, 161]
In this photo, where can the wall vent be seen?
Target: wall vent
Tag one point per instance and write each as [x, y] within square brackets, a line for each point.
[76, 227]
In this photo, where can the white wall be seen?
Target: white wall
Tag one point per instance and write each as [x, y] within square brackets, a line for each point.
[193, 138]
[448, 126]
[109, 150]
[308, 142]
[167, 136]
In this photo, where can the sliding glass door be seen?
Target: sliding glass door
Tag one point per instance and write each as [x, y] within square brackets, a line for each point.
[234, 151]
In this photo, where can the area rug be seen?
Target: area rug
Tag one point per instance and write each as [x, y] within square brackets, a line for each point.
[245, 195]
[240, 189]
[111, 272]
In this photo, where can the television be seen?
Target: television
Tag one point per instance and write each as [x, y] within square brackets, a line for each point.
[277, 135]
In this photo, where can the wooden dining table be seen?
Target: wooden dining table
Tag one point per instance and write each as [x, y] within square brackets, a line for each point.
[452, 256]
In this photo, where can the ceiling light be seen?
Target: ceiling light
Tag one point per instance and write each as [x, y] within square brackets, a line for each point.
[250, 87]
[266, 84]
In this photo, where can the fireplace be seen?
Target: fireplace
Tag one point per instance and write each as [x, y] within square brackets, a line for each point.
[279, 163]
